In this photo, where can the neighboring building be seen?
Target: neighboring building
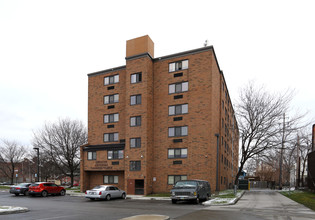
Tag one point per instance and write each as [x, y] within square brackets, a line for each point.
[311, 164]
[155, 121]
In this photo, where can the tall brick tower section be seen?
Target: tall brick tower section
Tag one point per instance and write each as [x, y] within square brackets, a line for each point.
[139, 55]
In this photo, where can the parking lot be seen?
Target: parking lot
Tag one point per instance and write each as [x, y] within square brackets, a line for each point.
[253, 205]
[68, 207]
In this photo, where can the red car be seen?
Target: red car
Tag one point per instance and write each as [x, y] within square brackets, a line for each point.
[45, 188]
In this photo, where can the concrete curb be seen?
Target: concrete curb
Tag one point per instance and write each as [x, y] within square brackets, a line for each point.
[227, 204]
[12, 210]
[147, 217]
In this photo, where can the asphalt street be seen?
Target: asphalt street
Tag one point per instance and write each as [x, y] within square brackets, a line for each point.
[253, 205]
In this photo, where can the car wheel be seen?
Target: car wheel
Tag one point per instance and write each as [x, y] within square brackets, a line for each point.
[62, 192]
[123, 196]
[197, 200]
[207, 197]
[107, 197]
[44, 194]
[16, 194]
[174, 201]
[26, 193]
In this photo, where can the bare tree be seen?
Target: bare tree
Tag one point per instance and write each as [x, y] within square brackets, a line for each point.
[62, 141]
[305, 148]
[258, 113]
[11, 153]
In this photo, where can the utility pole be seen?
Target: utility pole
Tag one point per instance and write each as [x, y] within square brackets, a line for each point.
[281, 154]
[299, 163]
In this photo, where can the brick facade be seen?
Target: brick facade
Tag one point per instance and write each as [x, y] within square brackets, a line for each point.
[210, 112]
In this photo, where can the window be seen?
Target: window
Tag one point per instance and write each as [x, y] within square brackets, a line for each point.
[178, 87]
[179, 65]
[111, 99]
[115, 154]
[91, 155]
[135, 165]
[135, 142]
[110, 137]
[135, 99]
[175, 178]
[111, 80]
[136, 77]
[178, 109]
[135, 121]
[111, 179]
[177, 153]
[111, 118]
[178, 131]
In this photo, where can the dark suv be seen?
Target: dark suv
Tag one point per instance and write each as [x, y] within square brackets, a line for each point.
[46, 188]
[193, 190]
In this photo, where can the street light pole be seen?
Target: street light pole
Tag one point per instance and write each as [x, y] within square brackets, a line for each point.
[36, 148]
[281, 154]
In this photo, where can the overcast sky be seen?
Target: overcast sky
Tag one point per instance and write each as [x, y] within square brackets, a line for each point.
[47, 48]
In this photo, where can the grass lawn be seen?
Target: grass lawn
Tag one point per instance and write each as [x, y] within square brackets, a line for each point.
[305, 198]
[159, 195]
[4, 187]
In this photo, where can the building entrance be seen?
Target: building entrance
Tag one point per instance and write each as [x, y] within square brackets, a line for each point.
[135, 187]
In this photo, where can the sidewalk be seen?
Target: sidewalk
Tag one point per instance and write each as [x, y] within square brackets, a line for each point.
[138, 197]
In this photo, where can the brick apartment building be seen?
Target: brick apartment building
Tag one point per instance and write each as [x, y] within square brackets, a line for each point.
[155, 121]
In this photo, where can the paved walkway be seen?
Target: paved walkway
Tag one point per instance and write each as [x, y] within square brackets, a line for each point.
[267, 204]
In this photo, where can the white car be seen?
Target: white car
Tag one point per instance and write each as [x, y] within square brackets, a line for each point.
[105, 192]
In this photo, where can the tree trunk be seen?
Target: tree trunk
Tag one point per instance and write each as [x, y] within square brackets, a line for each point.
[239, 173]
[72, 178]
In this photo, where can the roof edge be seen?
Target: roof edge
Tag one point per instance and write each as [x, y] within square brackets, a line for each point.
[107, 71]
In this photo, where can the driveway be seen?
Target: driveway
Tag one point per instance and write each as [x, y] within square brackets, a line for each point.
[263, 204]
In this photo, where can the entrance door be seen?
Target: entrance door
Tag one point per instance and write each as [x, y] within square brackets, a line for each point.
[139, 187]
[131, 186]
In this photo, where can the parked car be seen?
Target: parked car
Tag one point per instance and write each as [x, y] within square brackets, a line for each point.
[21, 188]
[193, 190]
[105, 192]
[46, 188]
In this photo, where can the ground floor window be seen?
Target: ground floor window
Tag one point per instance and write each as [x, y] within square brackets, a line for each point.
[172, 179]
[111, 179]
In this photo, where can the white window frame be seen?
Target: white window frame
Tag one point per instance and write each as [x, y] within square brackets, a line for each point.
[178, 131]
[109, 99]
[113, 78]
[135, 142]
[182, 153]
[91, 155]
[178, 65]
[111, 118]
[109, 136]
[178, 87]
[135, 121]
[136, 78]
[178, 109]
[107, 178]
[135, 99]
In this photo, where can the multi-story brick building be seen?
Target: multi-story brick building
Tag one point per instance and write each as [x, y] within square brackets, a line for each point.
[158, 120]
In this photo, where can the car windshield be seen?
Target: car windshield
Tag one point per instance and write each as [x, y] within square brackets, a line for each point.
[186, 184]
[34, 184]
[98, 187]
